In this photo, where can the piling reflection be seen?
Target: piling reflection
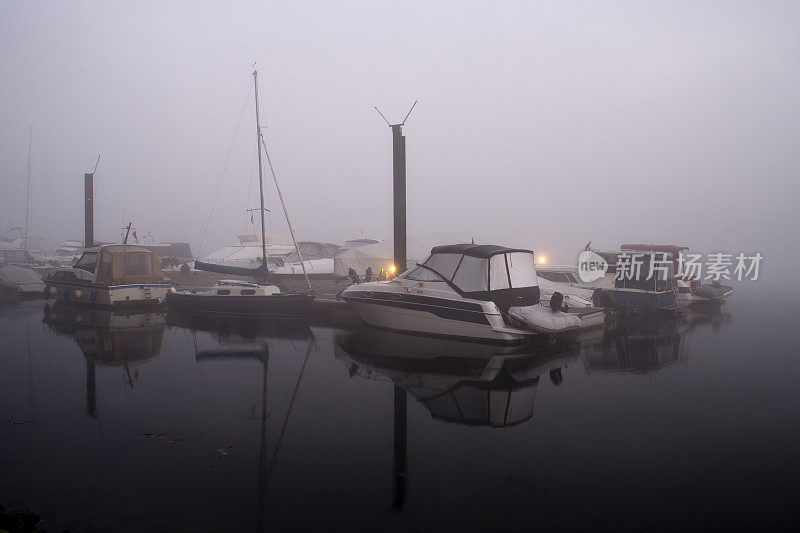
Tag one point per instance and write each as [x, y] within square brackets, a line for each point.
[108, 338]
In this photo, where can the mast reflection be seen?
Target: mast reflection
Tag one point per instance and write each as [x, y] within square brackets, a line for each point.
[243, 339]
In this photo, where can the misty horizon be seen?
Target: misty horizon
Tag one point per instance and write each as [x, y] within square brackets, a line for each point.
[537, 126]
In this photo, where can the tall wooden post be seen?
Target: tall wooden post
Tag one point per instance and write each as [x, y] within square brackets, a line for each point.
[88, 239]
[399, 181]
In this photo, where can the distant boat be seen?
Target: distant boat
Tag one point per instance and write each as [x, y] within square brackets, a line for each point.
[238, 298]
[20, 283]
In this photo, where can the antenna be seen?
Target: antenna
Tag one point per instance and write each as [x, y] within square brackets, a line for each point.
[404, 120]
[381, 114]
[96, 163]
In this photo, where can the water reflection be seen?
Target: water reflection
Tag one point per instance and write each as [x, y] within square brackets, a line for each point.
[647, 344]
[457, 381]
[230, 329]
[248, 340]
[108, 338]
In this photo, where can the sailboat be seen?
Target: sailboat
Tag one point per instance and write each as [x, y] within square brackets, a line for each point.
[241, 298]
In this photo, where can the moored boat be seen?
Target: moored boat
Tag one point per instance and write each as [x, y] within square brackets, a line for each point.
[241, 298]
[111, 275]
[482, 292]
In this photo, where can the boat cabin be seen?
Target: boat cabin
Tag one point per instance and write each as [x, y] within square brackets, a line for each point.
[506, 276]
[644, 274]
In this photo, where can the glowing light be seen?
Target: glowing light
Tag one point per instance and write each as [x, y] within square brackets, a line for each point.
[542, 260]
[392, 269]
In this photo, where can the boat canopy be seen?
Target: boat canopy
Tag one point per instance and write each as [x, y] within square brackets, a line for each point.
[124, 264]
[20, 279]
[506, 276]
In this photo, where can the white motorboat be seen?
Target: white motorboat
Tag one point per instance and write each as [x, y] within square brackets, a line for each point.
[111, 275]
[481, 292]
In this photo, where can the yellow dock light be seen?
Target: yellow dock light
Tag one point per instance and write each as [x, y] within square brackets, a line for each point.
[542, 260]
[392, 269]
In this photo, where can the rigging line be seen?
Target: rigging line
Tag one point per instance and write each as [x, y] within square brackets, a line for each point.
[250, 189]
[216, 189]
[289, 412]
[285, 212]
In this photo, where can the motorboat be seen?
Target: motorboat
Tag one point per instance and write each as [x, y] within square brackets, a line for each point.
[690, 289]
[481, 292]
[111, 275]
[648, 287]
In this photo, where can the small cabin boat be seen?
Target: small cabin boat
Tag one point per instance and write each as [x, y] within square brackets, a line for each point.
[690, 289]
[111, 275]
[643, 289]
[481, 292]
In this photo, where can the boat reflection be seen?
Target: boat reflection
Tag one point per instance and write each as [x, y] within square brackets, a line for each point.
[647, 344]
[236, 329]
[108, 338]
[457, 381]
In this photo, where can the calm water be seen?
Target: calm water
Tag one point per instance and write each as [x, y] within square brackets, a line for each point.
[157, 422]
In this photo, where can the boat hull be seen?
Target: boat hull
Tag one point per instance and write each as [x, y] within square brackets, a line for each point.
[437, 321]
[146, 294]
[647, 301]
[273, 305]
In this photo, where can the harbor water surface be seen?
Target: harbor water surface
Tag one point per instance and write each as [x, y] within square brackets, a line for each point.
[160, 422]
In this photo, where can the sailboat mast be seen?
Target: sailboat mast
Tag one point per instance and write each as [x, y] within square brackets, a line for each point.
[260, 177]
[28, 193]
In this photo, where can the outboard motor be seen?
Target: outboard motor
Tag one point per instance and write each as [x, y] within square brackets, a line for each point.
[557, 301]
[353, 276]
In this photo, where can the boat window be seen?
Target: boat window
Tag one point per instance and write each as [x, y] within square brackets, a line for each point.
[223, 292]
[444, 264]
[549, 276]
[137, 264]
[521, 269]
[570, 277]
[471, 275]
[498, 276]
[248, 292]
[419, 273]
[87, 262]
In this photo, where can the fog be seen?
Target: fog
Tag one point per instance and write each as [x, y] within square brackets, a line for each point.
[542, 126]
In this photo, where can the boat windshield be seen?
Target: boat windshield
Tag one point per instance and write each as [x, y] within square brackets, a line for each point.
[471, 274]
[87, 262]
[420, 273]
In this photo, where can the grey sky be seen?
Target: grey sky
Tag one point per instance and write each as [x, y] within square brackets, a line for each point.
[539, 124]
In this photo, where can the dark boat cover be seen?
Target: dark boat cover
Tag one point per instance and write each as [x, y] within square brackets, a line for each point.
[258, 272]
